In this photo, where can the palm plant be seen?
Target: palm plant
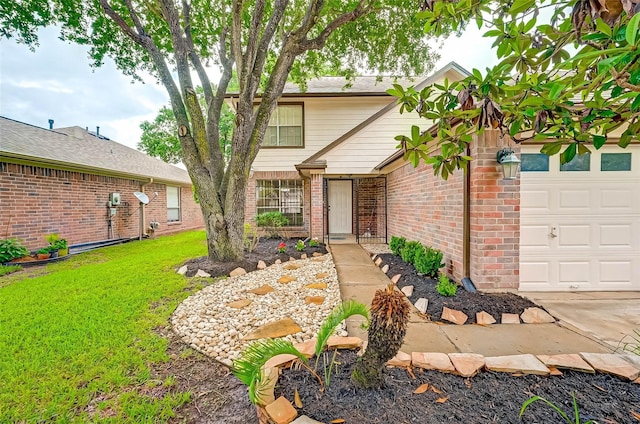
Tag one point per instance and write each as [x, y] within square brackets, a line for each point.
[564, 415]
[387, 328]
[248, 368]
[333, 320]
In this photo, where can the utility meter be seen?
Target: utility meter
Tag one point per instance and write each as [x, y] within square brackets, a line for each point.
[114, 198]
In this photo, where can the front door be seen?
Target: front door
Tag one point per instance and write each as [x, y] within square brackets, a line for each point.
[340, 207]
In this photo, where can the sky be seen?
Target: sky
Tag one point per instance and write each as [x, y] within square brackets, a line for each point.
[56, 82]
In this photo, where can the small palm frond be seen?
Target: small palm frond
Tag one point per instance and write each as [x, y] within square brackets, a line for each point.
[248, 367]
[333, 320]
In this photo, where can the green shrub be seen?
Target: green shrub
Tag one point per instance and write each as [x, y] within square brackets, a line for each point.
[409, 251]
[446, 287]
[272, 222]
[396, 244]
[300, 246]
[314, 242]
[11, 249]
[250, 237]
[428, 261]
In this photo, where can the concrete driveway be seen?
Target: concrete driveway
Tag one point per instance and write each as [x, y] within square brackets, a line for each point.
[610, 317]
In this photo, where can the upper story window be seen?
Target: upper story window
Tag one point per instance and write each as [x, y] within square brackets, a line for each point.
[285, 127]
[173, 204]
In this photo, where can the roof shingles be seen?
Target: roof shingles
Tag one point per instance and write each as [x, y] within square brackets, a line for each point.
[89, 153]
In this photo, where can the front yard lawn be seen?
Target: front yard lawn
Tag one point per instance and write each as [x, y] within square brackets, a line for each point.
[77, 339]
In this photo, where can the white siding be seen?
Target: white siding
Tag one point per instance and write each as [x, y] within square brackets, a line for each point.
[366, 149]
[325, 120]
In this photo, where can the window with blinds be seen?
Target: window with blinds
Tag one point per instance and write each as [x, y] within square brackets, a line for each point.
[285, 127]
[173, 204]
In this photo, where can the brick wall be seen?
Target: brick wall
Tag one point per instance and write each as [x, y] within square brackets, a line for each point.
[317, 206]
[250, 210]
[371, 206]
[428, 209]
[36, 201]
[495, 217]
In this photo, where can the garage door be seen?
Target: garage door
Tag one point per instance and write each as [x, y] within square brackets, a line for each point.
[580, 222]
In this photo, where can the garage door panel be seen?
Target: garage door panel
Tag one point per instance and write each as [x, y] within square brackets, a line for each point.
[535, 272]
[615, 271]
[574, 236]
[581, 230]
[537, 236]
[573, 199]
[616, 235]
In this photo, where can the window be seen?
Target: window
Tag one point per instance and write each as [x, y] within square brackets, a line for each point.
[615, 162]
[578, 163]
[173, 204]
[285, 127]
[281, 196]
[534, 162]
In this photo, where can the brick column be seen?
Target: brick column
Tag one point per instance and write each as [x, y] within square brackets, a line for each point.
[495, 216]
[317, 205]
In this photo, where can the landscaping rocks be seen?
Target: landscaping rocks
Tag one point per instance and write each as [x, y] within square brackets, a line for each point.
[202, 273]
[281, 411]
[239, 304]
[432, 361]
[396, 278]
[536, 316]
[237, 272]
[613, 364]
[261, 265]
[467, 364]
[510, 319]
[286, 279]
[385, 268]
[407, 290]
[280, 328]
[316, 300]
[339, 342]
[525, 364]
[183, 270]
[209, 325]
[422, 304]
[571, 361]
[378, 261]
[484, 318]
[454, 316]
[400, 360]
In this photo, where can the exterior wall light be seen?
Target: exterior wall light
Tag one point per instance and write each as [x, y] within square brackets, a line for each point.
[510, 163]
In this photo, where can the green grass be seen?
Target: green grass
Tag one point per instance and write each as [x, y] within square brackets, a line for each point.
[76, 339]
[9, 269]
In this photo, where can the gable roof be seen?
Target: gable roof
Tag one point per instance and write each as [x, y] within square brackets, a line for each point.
[421, 83]
[74, 148]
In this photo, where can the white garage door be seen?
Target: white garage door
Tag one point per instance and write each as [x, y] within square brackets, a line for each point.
[580, 222]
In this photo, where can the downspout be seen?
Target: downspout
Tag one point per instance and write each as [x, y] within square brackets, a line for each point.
[466, 229]
[142, 186]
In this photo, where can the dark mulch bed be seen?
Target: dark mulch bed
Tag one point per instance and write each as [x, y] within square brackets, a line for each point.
[266, 250]
[470, 303]
[486, 398]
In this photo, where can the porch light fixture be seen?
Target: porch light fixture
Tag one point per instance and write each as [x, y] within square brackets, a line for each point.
[510, 163]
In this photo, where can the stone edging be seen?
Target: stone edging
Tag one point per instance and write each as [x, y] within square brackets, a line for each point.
[466, 365]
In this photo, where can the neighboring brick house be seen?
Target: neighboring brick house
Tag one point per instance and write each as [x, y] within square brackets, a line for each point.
[330, 163]
[61, 181]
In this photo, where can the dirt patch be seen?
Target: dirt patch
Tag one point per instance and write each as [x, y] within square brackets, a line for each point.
[216, 395]
[266, 250]
[487, 398]
[495, 304]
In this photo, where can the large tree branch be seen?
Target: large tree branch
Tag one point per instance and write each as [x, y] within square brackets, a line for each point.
[236, 37]
[181, 56]
[363, 7]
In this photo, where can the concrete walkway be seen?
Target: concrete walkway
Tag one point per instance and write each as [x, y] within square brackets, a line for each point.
[359, 279]
[610, 317]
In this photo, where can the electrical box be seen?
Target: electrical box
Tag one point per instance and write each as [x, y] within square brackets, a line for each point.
[112, 211]
[114, 198]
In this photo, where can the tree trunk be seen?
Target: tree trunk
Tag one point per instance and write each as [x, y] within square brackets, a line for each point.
[224, 226]
[368, 372]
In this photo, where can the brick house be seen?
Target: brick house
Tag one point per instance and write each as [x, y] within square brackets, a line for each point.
[62, 180]
[329, 162]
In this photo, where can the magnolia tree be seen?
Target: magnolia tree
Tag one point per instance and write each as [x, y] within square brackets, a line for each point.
[263, 41]
[569, 75]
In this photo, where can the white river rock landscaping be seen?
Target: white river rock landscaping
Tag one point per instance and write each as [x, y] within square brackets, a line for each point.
[207, 323]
